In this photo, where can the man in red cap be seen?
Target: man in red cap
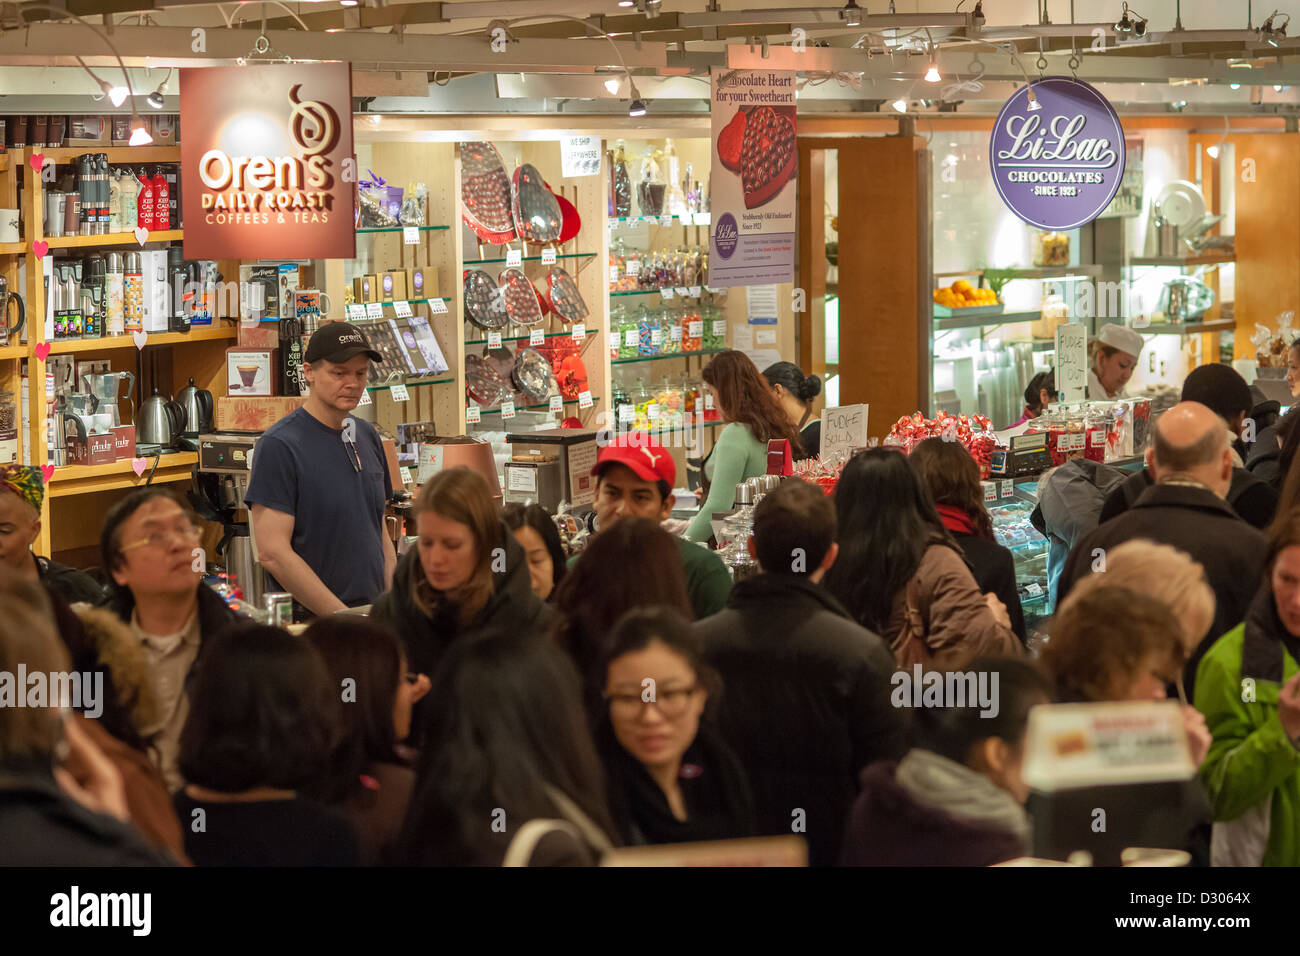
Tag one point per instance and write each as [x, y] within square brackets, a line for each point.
[634, 479]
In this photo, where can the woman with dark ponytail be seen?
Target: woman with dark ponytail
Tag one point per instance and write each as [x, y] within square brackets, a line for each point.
[796, 392]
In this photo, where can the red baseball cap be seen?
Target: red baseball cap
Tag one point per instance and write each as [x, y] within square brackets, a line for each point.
[648, 459]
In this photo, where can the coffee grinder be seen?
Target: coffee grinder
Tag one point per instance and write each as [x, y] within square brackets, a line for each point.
[220, 480]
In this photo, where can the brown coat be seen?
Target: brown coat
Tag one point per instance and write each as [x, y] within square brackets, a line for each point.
[148, 801]
[950, 614]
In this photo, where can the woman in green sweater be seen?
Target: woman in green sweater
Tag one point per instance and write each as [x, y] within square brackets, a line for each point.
[746, 401]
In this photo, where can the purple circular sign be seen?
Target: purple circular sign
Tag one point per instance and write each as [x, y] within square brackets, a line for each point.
[726, 235]
[1057, 167]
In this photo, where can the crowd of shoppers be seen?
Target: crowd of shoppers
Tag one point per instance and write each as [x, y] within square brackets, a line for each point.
[506, 705]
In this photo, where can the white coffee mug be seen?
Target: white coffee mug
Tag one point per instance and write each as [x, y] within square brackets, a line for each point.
[8, 225]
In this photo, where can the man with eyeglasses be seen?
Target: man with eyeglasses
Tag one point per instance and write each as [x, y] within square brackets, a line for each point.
[319, 485]
[150, 549]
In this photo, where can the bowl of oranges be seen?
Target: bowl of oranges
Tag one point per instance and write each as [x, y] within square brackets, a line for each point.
[964, 299]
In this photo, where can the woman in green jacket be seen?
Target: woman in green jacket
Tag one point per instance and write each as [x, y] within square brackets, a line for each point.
[755, 417]
[1248, 688]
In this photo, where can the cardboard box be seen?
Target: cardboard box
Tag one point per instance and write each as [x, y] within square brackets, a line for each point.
[123, 442]
[88, 131]
[263, 335]
[252, 371]
[165, 129]
[95, 450]
[393, 285]
[424, 283]
[365, 289]
[247, 414]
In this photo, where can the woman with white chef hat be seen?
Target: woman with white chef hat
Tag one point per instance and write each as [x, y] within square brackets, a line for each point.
[1113, 356]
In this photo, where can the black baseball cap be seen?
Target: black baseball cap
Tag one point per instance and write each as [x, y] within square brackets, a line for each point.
[337, 342]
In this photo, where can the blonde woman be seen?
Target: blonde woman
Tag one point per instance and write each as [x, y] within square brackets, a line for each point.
[1177, 582]
[467, 573]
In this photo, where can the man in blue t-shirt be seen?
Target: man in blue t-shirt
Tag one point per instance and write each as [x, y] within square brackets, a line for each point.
[319, 484]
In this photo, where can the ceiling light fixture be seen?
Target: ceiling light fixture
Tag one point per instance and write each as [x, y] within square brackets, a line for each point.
[349, 3]
[637, 106]
[1034, 106]
[932, 74]
[1234, 86]
[139, 135]
[899, 105]
[613, 84]
[1271, 27]
[155, 99]
[116, 95]
[627, 3]
[851, 14]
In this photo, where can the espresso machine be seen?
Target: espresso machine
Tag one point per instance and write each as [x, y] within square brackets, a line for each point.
[220, 479]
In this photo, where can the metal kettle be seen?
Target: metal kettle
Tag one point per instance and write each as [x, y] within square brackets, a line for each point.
[161, 421]
[197, 405]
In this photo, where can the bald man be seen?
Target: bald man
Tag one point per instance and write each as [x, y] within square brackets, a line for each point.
[1191, 462]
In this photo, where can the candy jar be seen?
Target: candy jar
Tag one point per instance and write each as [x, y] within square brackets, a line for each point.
[1096, 428]
[714, 330]
[629, 339]
[692, 328]
[671, 330]
[692, 405]
[621, 184]
[649, 333]
[651, 187]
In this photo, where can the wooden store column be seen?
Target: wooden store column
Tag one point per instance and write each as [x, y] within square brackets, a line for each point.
[884, 269]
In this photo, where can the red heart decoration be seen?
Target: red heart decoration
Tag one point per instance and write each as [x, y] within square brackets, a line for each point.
[40, 247]
[572, 222]
[48, 472]
[37, 161]
[43, 350]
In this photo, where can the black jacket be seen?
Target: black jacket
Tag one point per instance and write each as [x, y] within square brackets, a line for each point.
[1200, 523]
[719, 805]
[1254, 500]
[805, 704]
[1264, 460]
[512, 607]
[995, 573]
[72, 585]
[40, 825]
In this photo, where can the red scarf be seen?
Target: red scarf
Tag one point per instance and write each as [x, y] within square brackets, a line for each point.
[955, 519]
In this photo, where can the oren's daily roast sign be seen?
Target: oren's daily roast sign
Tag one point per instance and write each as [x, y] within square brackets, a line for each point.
[268, 150]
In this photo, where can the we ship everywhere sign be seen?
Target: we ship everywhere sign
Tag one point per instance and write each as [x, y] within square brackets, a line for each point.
[1057, 167]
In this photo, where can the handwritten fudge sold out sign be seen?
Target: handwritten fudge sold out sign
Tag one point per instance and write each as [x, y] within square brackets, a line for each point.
[1059, 166]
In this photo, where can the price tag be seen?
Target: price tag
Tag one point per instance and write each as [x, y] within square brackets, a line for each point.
[631, 339]
[633, 267]
[683, 291]
[374, 310]
[584, 399]
[694, 291]
[411, 235]
[675, 332]
[1008, 488]
[366, 399]
[666, 292]
[536, 337]
[548, 257]
[656, 337]
[473, 414]
[399, 393]
[708, 401]
[579, 332]
[356, 312]
[695, 328]
[494, 340]
[626, 413]
[652, 411]
[438, 306]
[613, 273]
[403, 309]
[665, 220]
[405, 474]
[1035, 589]
[703, 218]
[514, 258]
[508, 409]
[557, 403]
[719, 327]
[990, 490]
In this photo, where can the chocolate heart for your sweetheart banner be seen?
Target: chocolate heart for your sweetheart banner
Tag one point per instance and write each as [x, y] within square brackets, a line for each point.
[755, 179]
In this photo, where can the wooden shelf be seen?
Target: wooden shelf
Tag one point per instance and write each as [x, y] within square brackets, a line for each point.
[13, 248]
[113, 239]
[201, 334]
[116, 154]
[84, 479]
[13, 352]
[4, 162]
[1182, 262]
